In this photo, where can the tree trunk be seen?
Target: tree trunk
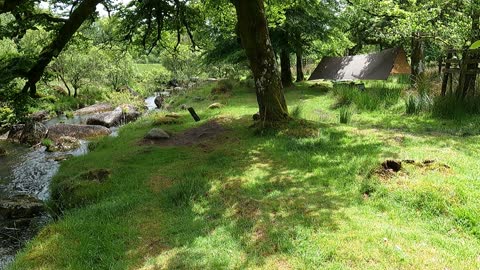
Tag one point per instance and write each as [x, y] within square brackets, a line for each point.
[85, 9]
[286, 69]
[418, 57]
[300, 75]
[252, 27]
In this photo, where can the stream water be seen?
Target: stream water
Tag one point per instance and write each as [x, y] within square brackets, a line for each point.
[28, 171]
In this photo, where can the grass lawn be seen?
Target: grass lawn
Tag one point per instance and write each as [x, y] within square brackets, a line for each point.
[304, 197]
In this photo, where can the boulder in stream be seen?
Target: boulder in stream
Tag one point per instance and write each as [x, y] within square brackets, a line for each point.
[121, 115]
[64, 144]
[76, 131]
[159, 101]
[31, 133]
[97, 108]
[20, 207]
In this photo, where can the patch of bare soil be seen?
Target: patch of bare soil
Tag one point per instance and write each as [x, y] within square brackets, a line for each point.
[208, 131]
[391, 168]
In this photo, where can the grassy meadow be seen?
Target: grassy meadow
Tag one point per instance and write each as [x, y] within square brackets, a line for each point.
[309, 195]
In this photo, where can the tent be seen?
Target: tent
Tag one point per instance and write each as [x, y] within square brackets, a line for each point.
[375, 66]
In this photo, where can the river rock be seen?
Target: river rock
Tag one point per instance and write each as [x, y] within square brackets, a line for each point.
[121, 115]
[157, 134]
[64, 144]
[19, 207]
[39, 116]
[33, 133]
[215, 106]
[159, 101]
[76, 131]
[97, 108]
[15, 133]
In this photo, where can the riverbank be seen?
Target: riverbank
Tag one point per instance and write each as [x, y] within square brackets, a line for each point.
[312, 195]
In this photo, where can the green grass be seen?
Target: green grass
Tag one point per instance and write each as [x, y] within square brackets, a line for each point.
[304, 196]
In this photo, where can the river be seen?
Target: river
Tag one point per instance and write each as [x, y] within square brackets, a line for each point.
[28, 171]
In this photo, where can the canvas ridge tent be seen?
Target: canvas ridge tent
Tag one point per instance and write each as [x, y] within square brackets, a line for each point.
[375, 66]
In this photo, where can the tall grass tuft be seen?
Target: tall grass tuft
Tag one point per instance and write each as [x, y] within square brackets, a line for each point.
[453, 107]
[376, 96]
[187, 189]
[345, 115]
[417, 104]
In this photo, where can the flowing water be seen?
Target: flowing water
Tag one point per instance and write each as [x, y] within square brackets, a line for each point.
[28, 171]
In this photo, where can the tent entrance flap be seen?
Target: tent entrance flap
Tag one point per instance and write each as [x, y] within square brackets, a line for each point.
[375, 66]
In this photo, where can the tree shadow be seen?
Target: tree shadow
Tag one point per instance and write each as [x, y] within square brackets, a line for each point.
[264, 195]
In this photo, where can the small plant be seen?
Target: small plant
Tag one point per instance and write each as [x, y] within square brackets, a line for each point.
[415, 105]
[187, 189]
[47, 143]
[345, 115]
[69, 114]
[296, 112]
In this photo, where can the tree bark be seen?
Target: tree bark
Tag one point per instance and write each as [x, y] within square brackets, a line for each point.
[255, 39]
[300, 75]
[418, 57]
[286, 69]
[85, 9]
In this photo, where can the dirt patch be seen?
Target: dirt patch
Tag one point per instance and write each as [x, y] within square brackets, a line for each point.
[391, 168]
[159, 183]
[205, 132]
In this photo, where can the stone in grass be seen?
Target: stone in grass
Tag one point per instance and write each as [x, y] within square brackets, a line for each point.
[173, 115]
[157, 134]
[215, 106]
[393, 165]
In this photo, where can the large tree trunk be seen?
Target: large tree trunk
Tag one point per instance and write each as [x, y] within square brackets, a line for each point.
[85, 9]
[286, 69]
[253, 31]
[418, 57]
[300, 75]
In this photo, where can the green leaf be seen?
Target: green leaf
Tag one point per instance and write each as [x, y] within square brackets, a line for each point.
[475, 45]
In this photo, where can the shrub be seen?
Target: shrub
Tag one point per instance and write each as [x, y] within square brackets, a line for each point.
[7, 116]
[223, 87]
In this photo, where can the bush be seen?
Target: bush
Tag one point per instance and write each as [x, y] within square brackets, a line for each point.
[7, 116]
[223, 87]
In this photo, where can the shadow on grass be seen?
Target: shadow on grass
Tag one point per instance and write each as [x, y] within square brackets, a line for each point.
[265, 193]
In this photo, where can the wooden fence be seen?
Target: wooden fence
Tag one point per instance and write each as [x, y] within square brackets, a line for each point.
[465, 64]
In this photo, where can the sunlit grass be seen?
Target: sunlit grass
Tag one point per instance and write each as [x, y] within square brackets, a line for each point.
[301, 197]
